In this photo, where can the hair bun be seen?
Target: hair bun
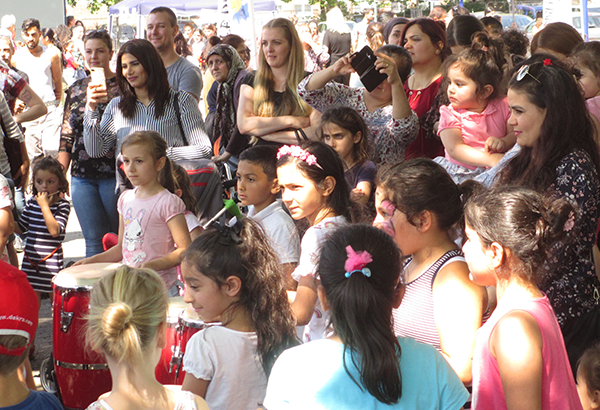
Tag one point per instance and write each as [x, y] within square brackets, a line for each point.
[117, 319]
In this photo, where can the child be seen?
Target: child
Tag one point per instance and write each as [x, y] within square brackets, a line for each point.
[128, 311]
[588, 378]
[418, 205]
[344, 130]
[257, 188]
[586, 57]
[474, 128]
[18, 323]
[151, 216]
[520, 360]
[363, 366]
[311, 177]
[184, 191]
[45, 217]
[232, 276]
[7, 223]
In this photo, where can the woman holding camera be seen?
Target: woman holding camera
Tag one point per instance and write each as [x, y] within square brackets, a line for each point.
[392, 123]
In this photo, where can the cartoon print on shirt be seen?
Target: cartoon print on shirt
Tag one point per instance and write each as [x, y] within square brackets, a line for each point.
[133, 238]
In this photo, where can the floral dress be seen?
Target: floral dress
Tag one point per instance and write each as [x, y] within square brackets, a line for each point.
[388, 136]
[572, 286]
[71, 136]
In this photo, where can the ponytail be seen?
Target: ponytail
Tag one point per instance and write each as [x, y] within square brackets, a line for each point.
[528, 223]
[127, 308]
[361, 307]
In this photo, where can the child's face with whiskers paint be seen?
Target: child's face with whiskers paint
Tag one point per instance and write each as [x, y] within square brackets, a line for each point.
[394, 222]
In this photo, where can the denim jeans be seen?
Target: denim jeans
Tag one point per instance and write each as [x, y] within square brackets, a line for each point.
[95, 203]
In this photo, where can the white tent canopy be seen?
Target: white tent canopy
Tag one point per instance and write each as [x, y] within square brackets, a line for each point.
[180, 7]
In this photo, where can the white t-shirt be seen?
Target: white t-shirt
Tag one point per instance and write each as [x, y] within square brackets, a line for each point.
[280, 229]
[229, 359]
[312, 241]
[191, 220]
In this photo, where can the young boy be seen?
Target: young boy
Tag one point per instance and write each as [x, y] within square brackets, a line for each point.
[18, 323]
[257, 188]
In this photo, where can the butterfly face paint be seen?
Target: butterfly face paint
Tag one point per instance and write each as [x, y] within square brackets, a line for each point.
[385, 212]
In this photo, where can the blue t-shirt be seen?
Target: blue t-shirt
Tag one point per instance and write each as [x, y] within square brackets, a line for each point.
[37, 400]
[312, 376]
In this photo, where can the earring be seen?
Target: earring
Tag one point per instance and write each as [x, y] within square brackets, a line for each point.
[437, 51]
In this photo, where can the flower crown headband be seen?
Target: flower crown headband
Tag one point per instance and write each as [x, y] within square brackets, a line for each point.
[297, 152]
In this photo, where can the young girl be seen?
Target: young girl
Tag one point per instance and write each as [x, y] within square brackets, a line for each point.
[587, 60]
[183, 190]
[474, 128]
[588, 378]
[520, 360]
[313, 188]
[151, 216]
[344, 130]
[418, 204]
[232, 276]
[362, 366]
[128, 312]
[45, 218]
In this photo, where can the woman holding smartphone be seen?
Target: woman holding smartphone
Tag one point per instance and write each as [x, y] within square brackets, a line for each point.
[92, 179]
[386, 112]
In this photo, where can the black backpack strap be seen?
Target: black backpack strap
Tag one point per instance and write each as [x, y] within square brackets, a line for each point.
[178, 115]
[441, 261]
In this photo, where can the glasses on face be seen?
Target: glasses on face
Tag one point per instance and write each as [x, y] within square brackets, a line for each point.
[523, 71]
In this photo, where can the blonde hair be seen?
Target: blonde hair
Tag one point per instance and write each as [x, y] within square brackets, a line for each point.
[264, 82]
[127, 308]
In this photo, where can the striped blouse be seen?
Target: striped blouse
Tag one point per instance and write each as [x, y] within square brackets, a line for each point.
[102, 134]
[13, 131]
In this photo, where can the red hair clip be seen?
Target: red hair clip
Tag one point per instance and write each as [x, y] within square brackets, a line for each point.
[547, 61]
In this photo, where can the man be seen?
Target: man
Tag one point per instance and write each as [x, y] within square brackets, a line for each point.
[161, 30]
[438, 13]
[45, 77]
[360, 30]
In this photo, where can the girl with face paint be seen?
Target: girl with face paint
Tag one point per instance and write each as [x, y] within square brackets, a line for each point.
[418, 204]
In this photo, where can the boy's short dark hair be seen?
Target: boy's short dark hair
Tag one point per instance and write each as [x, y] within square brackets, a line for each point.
[8, 364]
[263, 155]
[29, 23]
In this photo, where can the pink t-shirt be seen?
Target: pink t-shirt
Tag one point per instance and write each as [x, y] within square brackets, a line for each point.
[593, 106]
[146, 234]
[558, 387]
[475, 127]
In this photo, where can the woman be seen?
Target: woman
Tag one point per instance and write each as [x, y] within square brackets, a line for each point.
[460, 32]
[315, 56]
[558, 39]
[425, 40]
[146, 102]
[392, 32]
[127, 323]
[270, 107]
[559, 155]
[92, 179]
[386, 112]
[228, 69]
[418, 204]
[338, 40]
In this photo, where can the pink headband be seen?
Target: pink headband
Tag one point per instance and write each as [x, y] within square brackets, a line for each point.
[357, 262]
[297, 152]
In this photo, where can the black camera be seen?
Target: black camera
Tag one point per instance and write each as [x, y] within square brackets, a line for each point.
[364, 65]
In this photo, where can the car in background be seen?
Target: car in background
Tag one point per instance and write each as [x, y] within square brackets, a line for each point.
[529, 10]
[521, 22]
[593, 26]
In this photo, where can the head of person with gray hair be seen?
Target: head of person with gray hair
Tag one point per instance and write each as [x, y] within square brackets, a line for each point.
[8, 22]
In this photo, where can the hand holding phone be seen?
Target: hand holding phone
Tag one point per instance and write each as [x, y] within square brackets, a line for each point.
[364, 64]
[98, 84]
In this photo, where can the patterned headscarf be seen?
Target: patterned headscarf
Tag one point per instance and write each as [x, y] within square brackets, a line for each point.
[225, 116]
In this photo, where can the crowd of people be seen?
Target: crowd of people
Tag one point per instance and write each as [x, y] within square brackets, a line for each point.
[425, 242]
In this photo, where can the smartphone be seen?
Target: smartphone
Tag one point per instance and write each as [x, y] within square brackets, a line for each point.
[364, 65]
[98, 76]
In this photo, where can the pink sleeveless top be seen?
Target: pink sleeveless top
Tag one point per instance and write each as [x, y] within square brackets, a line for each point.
[558, 387]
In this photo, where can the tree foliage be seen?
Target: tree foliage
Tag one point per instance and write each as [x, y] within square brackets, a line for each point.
[95, 5]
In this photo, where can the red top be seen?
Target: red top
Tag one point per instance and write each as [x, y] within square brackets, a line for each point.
[421, 101]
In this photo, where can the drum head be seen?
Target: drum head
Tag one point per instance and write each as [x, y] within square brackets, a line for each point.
[83, 275]
[190, 318]
[176, 306]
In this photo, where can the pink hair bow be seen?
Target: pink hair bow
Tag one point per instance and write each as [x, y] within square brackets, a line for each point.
[357, 262]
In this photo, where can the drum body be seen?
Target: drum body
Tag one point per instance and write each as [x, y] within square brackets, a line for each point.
[82, 375]
[182, 323]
